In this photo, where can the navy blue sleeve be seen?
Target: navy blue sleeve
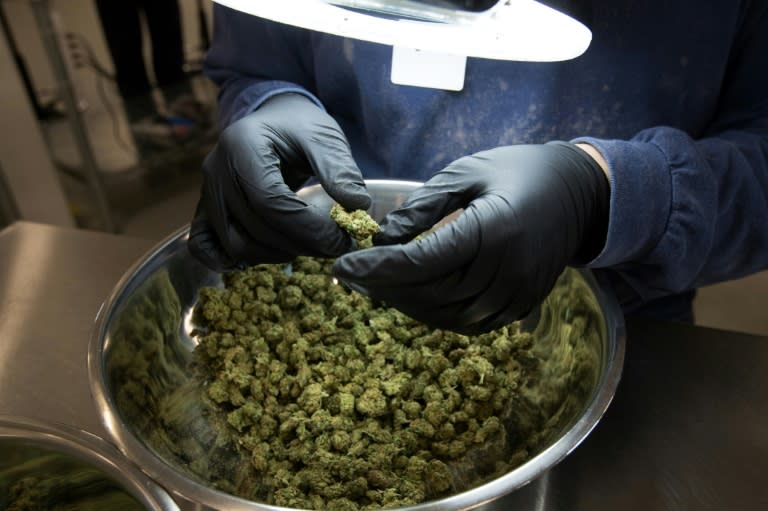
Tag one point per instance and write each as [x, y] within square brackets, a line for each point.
[252, 59]
[685, 212]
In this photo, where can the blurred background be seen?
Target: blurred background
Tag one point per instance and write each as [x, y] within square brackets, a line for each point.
[94, 137]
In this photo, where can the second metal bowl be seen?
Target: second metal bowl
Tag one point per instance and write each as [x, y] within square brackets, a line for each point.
[44, 465]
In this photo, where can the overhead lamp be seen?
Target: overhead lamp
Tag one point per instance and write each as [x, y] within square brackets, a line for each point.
[522, 30]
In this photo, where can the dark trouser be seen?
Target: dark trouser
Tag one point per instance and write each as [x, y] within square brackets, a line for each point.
[121, 23]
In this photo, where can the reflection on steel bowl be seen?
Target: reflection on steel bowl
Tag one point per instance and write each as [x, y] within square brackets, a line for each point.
[56, 467]
[145, 378]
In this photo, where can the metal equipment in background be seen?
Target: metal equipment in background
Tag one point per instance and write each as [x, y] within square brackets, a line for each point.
[50, 36]
[29, 187]
[9, 211]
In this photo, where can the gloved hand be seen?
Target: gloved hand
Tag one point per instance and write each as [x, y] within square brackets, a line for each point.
[248, 212]
[529, 210]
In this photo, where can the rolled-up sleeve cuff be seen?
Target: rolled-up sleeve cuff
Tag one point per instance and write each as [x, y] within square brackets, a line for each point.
[641, 198]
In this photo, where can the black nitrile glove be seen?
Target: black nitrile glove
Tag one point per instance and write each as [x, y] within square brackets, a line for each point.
[529, 210]
[248, 212]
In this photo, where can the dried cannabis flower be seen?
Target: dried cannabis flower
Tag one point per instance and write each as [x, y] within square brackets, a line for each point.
[340, 405]
[358, 223]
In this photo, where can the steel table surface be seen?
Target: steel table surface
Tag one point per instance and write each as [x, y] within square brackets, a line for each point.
[687, 430]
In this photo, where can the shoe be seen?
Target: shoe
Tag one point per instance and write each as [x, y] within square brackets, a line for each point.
[163, 131]
[189, 107]
[183, 125]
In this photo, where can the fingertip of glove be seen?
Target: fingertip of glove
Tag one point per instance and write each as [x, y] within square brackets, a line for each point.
[355, 196]
[335, 243]
[343, 266]
[207, 254]
[355, 266]
[392, 233]
[383, 238]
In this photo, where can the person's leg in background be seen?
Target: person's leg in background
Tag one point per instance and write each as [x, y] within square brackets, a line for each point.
[185, 114]
[164, 22]
[121, 24]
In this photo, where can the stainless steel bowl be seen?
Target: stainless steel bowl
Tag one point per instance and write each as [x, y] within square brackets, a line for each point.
[142, 346]
[54, 462]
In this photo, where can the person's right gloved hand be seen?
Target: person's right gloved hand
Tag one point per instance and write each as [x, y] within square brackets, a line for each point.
[528, 211]
[248, 212]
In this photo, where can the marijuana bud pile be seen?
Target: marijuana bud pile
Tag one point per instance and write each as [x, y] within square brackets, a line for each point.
[340, 405]
[358, 223]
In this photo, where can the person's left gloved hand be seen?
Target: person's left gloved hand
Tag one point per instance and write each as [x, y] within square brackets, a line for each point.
[529, 210]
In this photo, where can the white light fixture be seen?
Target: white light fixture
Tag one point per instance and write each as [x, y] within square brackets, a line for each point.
[523, 30]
